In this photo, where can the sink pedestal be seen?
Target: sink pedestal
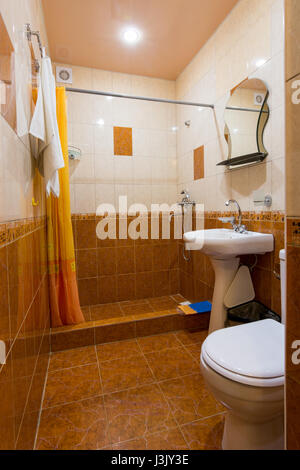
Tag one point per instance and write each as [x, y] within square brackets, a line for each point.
[224, 248]
[225, 271]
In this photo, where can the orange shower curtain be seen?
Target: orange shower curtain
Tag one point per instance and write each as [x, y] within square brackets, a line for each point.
[64, 299]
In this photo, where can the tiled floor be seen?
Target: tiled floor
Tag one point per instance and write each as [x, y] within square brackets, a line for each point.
[135, 309]
[146, 393]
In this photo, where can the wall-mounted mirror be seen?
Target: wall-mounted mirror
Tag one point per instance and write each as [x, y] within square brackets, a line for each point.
[7, 77]
[246, 116]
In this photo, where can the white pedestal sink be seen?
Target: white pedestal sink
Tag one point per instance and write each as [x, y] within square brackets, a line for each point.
[224, 247]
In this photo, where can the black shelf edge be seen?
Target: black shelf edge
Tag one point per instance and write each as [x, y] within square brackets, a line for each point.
[244, 159]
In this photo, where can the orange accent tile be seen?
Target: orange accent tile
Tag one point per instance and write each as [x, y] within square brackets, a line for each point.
[123, 141]
[199, 163]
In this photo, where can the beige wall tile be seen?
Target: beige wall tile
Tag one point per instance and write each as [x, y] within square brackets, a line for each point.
[249, 43]
[292, 38]
[292, 152]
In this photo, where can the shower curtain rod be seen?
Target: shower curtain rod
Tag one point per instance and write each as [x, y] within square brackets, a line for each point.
[142, 98]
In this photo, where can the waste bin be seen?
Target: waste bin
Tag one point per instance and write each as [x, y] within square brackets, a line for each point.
[250, 312]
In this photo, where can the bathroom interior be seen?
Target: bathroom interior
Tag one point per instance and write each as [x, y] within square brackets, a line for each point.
[149, 225]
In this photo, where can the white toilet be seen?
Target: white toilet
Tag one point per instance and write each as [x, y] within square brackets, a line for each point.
[244, 367]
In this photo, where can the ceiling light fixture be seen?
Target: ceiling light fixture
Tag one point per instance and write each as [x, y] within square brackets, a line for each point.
[131, 35]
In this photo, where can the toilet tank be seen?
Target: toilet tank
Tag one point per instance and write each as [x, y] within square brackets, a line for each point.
[282, 256]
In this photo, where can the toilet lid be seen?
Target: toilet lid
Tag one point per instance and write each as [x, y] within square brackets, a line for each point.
[251, 351]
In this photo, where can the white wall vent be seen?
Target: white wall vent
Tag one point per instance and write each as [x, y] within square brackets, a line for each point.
[64, 75]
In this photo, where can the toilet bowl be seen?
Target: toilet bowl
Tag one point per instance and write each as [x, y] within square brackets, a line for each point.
[243, 366]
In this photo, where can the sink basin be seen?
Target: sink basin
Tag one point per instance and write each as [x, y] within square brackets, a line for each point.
[224, 243]
[224, 247]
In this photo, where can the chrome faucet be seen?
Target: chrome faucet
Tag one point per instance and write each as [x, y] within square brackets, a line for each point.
[237, 227]
[186, 200]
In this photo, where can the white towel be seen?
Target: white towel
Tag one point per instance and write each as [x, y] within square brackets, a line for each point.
[45, 128]
[23, 86]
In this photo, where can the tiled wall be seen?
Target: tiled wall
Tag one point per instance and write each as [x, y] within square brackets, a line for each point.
[24, 307]
[149, 175]
[293, 221]
[197, 275]
[249, 43]
[252, 35]
[116, 270]
[24, 327]
[16, 175]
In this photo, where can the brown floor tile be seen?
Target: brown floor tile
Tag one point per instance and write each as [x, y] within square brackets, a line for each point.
[191, 337]
[72, 384]
[194, 350]
[105, 311]
[158, 343]
[121, 349]
[124, 373]
[189, 399]
[78, 425]
[72, 357]
[167, 440]
[162, 303]
[137, 412]
[171, 363]
[178, 298]
[126, 303]
[137, 309]
[205, 434]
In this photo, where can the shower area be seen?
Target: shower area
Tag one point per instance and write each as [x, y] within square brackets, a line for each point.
[122, 142]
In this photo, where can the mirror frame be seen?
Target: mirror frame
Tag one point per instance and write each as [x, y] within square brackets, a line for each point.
[262, 152]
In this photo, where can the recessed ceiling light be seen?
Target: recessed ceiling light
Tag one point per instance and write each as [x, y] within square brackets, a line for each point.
[131, 35]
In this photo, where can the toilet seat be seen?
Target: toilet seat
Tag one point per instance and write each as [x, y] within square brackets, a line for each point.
[251, 354]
